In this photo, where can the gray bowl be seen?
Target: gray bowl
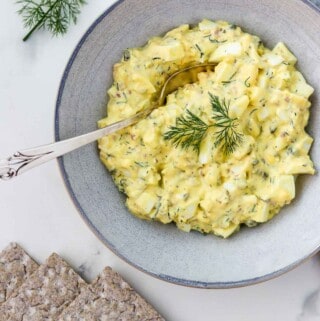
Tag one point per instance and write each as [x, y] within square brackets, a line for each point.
[250, 256]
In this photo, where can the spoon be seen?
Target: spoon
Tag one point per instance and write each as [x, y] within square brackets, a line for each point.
[24, 160]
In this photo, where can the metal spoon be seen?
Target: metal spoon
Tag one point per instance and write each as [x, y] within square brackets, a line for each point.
[24, 160]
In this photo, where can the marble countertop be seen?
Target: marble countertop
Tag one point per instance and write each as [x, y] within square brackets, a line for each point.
[37, 212]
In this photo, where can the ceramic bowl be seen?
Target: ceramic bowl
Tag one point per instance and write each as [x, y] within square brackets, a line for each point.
[191, 259]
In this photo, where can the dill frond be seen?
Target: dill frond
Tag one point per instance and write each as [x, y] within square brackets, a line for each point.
[53, 15]
[190, 129]
[226, 136]
[188, 132]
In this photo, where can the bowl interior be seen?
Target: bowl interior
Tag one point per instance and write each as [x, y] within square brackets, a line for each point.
[192, 259]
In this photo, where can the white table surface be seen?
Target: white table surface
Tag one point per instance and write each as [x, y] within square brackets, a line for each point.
[37, 212]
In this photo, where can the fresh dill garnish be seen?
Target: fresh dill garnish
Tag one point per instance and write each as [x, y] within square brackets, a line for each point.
[53, 15]
[188, 132]
[226, 136]
[190, 129]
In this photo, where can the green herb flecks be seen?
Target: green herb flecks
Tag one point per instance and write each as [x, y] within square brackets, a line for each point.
[246, 82]
[190, 129]
[214, 40]
[230, 80]
[141, 164]
[200, 50]
[53, 15]
[124, 100]
[227, 82]
[126, 55]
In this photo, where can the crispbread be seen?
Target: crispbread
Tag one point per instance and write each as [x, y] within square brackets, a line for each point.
[109, 298]
[15, 267]
[44, 294]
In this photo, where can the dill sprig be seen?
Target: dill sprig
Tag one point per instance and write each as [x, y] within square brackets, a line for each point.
[53, 15]
[188, 132]
[226, 135]
[190, 129]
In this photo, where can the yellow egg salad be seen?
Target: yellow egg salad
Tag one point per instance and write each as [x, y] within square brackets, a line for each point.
[221, 152]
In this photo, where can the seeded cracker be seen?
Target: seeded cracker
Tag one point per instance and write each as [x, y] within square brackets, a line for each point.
[15, 267]
[109, 298]
[44, 294]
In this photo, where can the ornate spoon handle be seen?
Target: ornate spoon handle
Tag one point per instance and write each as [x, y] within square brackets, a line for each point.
[24, 160]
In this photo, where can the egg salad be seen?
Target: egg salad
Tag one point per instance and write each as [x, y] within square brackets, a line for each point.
[222, 151]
